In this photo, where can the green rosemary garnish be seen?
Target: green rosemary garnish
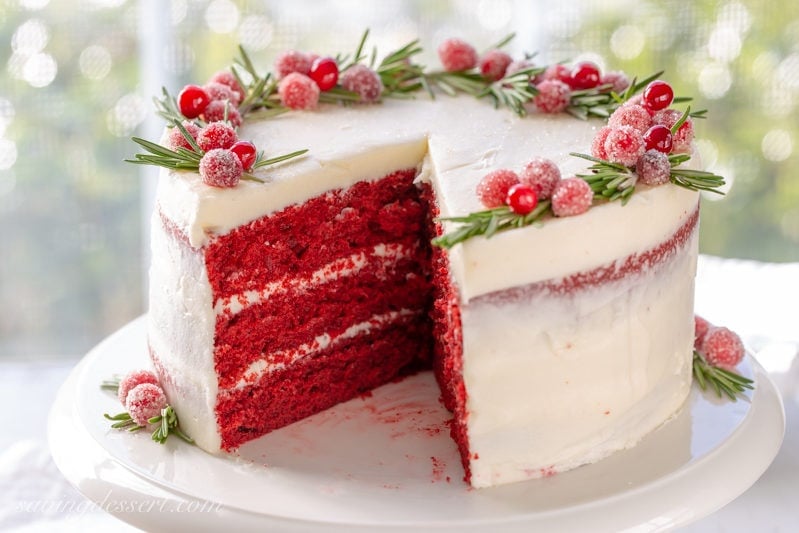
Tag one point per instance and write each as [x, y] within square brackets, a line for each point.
[189, 160]
[724, 382]
[488, 223]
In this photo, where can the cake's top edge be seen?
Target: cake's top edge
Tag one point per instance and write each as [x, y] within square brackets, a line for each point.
[495, 169]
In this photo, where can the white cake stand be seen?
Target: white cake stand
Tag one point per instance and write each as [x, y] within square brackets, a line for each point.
[386, 461]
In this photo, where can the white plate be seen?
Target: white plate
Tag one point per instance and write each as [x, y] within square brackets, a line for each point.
[387, 461]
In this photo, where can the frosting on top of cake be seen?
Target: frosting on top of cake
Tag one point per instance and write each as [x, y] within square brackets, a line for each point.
[455, 141]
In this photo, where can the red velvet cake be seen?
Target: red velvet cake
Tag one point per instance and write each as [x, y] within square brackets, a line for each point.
[558, 333]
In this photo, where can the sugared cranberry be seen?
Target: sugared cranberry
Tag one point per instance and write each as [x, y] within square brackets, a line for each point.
[584, 75]
[221, 168]
[598, 144]
[216, 135]
[298, 91]
[624, 145]
[493, 188]
[658, 137]
[246, 152]
[617, 80]
[494, 63]
[176, 139]
[722, 347]
[631, 115]
[192, 101]
[558, 72]
[542, 175]
[221, 111]
[324, 71]
[522, 199]
[701, 327]
[133, 379]
[658, 95]
[291, 61]
[456, 55]
[553, 96]
[144, 402]
[653, 168]
[363, 81]
[225, 77]
[220, 91]
[572, 196]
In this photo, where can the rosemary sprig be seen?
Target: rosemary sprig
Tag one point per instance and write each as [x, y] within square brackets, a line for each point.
[601, 101]
[488, 223]
[513, 91]
[723, 381]
[260, 91]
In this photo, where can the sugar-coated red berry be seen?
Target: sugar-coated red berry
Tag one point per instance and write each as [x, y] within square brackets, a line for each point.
[144, 402]
[701, 327]
[246, 152]
[225, 77]
[682, 139]
[291, 61]
[221, 111]
[558, 72]
[521, 199]
[616, 79]
[216, 135]
[542, 175]
[324, 71]
[658, 95]
[492, 191]
[624, 145]
[220, 91]
[658, 137]
[456, 55]
[722, 347]
[598, 144]
[298, 91]
[192, 101]
[584, 75]
[553, 96]
[572, 196]
[176, 139]
[221, 168]
[494, 63]
[131, 380]
[363, 81]
[631, 115]
[653, 168]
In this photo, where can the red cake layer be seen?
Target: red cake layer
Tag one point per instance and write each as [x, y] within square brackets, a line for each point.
[317, 383]
[302, 238]
[447, 337]
[289, 288]
[289, 319]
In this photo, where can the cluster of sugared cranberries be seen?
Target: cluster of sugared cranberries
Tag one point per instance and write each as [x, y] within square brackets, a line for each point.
[364, 82]
[142, 396]
[216, 100]
[457, 55]
[225, 158]
[639, 134]
[719, 346]
[540, 179]
[555, 86]
[302, 77]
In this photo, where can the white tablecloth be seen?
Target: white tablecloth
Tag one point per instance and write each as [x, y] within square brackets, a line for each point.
[759, 301]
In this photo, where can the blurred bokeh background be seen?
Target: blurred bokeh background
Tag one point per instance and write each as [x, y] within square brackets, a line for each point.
[78, 77]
